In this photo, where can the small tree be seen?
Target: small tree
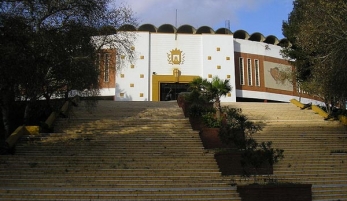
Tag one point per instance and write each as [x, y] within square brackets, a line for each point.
[216, 89]
[257, 156]
[238, 131]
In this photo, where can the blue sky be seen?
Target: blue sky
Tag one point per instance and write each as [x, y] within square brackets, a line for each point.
[264, 16]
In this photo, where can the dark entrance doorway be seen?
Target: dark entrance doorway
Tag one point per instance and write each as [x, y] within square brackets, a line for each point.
[175, 88]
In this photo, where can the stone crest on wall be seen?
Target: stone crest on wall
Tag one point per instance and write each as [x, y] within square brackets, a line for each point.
[175, 57]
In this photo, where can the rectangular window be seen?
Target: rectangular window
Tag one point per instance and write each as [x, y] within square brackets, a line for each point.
[107, 68]
[257, 73]
[242, 71]
[249, 72]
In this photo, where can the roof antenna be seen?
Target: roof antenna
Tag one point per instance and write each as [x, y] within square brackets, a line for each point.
[176, 26]
[176, 19]
[227, 26]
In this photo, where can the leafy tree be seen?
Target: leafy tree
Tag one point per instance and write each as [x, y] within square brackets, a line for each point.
[316, 30]
[48, 48]
[15, 36]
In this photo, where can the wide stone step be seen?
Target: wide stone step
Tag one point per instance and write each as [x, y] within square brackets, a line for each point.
[215, 193]
[113, 184]
[130, 196]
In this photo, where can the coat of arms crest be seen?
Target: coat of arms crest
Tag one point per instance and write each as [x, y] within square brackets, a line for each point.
[175, 57]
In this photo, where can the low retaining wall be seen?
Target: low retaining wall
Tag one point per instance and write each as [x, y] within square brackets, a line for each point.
[34, 130]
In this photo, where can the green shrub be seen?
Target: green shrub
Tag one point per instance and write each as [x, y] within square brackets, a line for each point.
[211, 121]
[198, 110]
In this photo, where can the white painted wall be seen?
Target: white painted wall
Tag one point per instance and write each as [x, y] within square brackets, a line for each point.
[257, 48]
[157, 47]
[132, 75]
[189, 44]
[210, 43]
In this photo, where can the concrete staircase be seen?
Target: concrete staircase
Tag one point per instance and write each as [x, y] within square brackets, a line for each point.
[147, 151]
[309, 144]
[116, 151]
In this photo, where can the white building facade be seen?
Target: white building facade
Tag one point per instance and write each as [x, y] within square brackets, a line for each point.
[167, 59]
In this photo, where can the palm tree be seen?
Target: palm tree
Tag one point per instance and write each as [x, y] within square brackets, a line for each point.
[216, 89]
[198, 91]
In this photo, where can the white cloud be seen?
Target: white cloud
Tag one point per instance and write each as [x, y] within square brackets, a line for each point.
[193, 12]
[265, 16]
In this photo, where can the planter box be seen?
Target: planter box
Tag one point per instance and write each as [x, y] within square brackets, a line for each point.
[196, 123]
[230, 164]
[185, 107]
[275, 192]
[210, 138]
[181, 98]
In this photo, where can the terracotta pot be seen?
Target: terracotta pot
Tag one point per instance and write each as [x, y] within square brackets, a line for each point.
[210, 138]
[180, 100]
[185, 108]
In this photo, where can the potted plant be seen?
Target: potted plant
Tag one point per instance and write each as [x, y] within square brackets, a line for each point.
[258, 159]
[207, 92]
[244, 155]
[209, 134]
[196, 112]
[237, 129]
[181, 98]
[195, 96]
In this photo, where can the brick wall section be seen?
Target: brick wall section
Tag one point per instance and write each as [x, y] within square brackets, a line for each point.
[262, 87]
[112, 68]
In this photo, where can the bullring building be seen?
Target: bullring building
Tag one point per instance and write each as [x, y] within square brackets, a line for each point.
[168, 58]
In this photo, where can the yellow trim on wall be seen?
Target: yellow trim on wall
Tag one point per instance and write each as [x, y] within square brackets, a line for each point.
[157, 79]
[297, 103]
[319, 111]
